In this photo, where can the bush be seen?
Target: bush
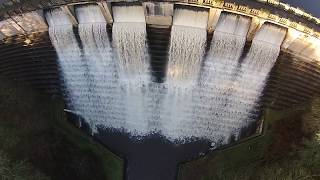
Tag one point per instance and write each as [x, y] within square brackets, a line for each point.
[20, 170]
[34, 134]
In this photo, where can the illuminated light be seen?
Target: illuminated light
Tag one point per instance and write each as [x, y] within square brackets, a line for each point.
[243, 8]
[309, 16]
[27, 42]
[318, 136]
[283, 21]
[307, 30]
[208, 2]
[315, 43]
[174, 72]
[195, 1]
[231, 6]
[263, 14]
[298, 11]
[273, 17]
[285, 6]
[293, 24]
[255, 12]
[300, 27]
[31, 22]
[7, 29]
[264, 1]
[274, 2]
[217, 3]
[292, 35]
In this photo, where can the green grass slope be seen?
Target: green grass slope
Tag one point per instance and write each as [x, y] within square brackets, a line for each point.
[289, 149]
[37, 142]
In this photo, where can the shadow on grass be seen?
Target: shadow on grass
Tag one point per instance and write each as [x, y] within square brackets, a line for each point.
[33, 129]
[286, 150]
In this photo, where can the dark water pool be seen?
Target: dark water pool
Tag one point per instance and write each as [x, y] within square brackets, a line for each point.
[149, 158]
[153, 157]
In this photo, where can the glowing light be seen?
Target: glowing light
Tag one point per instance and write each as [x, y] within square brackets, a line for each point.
[285, 6]
[27, 41]
[298, 11]
[318, 136]
[274, 2]
[174, 71]
[294, 33]
[316, 43]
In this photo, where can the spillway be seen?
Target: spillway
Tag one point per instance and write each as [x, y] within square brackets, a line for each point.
[255, 69]
[73, 67]
[103, 71]
[210, 91]
[187, 45]
[129, 39]
[211, 97]
[186, 51]
[216, 117]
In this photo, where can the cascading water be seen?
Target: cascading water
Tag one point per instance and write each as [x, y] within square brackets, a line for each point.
[129, 39]
[187, 45]
[72, 66]
[215, 117]
[213, 99]
[110, 85]
[102, 69]
[255, 68]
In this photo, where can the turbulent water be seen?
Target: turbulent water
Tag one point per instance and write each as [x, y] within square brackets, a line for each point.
[254, 70]
[103, 77]
[129, 39]
[216, 116]
[73, 67]
[108, 82]
[186, 51]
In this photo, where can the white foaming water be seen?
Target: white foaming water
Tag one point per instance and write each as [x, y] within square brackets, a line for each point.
[187, 46]
[190, 18]
[115, 91]
[102, 69]
[216, 118]
[129, 39]
[72, 66]
[255, 68]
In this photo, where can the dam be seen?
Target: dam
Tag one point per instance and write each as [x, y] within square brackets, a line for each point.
[192, 104]
[161, 83]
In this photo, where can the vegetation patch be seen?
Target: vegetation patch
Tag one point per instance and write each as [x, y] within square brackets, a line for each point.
[37, 142]
[288, 149]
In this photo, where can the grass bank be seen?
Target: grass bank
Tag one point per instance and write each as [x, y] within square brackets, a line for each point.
[288, 149]
[37, 142]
